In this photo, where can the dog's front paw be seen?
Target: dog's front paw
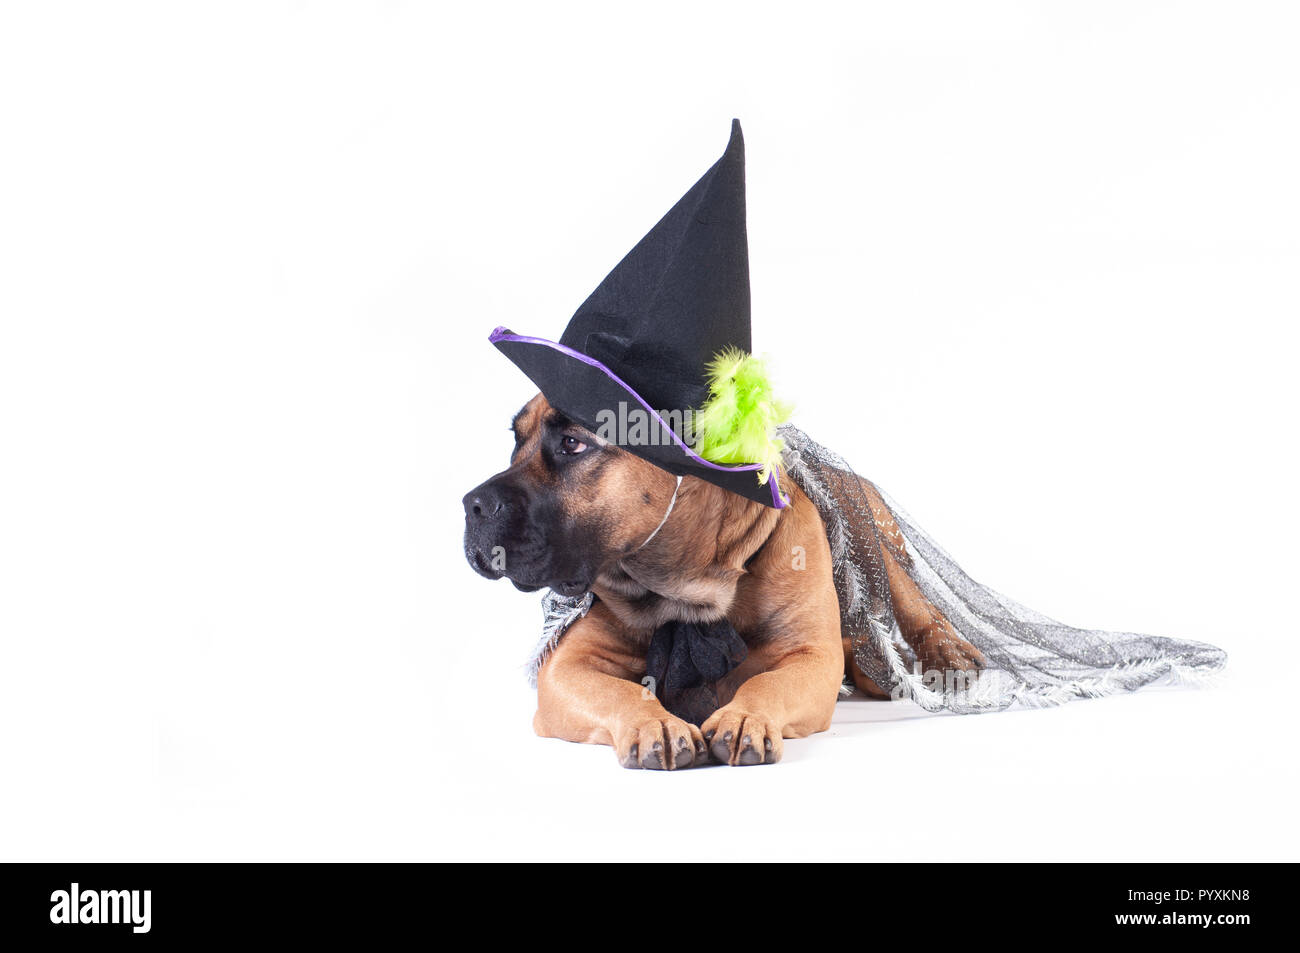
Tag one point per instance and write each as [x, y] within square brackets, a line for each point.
[742, 737]
[660, 744]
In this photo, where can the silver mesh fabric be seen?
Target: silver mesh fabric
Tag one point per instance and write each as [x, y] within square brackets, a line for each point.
[1029, 659]
[558, 613]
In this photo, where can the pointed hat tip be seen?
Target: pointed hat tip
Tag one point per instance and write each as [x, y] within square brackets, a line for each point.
[736, 144]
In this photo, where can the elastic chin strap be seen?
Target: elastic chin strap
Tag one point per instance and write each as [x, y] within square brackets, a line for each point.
[667, 513]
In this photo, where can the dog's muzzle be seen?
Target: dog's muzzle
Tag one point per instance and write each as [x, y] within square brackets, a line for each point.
[500, 543]
[486, 516]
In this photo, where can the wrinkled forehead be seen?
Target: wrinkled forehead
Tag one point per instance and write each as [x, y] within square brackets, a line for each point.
[530, 417]
[538, 414]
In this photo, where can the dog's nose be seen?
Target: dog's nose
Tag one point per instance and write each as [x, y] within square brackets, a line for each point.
[482, 502]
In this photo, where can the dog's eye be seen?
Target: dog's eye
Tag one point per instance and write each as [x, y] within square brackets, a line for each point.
[571, 445]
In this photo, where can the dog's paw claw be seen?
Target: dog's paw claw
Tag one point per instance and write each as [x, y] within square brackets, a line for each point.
[629, 760]
[742, 738]
[721, 748]
[654, 758]
[748, 753]
[660, 744]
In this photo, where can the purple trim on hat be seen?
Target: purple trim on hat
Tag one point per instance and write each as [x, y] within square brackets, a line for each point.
[504, 334]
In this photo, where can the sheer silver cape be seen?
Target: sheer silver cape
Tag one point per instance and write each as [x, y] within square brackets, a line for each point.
[1029, 659]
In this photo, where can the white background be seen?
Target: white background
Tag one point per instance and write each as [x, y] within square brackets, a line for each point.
[1031, 267]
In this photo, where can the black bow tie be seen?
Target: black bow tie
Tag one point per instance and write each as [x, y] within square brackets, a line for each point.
[685, 659]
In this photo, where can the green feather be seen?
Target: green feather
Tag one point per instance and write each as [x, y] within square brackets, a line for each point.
[737, 424]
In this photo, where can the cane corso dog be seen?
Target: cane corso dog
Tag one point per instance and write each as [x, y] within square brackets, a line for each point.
[573, 512]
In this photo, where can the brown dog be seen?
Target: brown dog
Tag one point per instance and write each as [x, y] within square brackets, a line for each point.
[573, 513]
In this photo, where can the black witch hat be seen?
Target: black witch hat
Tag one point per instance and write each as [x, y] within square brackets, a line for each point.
[660, 348]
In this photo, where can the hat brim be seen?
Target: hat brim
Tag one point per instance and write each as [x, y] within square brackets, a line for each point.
[589, 392]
